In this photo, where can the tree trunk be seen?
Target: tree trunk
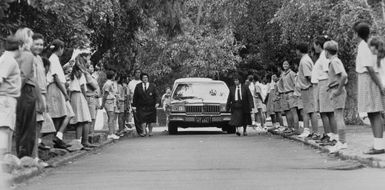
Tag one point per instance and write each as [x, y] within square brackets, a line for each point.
[199, 13]
[351, 111]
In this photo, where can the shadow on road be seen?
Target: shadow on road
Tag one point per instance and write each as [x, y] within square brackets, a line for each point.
[196, 132]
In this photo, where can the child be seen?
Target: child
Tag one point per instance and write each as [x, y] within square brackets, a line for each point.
[258, 105]
[109, 103]
[10, 86]
[289, 105]
[77, 92]
[369, 85]
[121, 103]
[377, 46]
[273, 107]
[57, 97]
[304, 83]
[337, 92]
[320, 82]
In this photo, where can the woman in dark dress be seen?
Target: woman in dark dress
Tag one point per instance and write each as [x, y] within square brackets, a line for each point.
[240, 102]
[146, 100]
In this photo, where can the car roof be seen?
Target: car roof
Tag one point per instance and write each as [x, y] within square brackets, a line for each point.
[195, 79]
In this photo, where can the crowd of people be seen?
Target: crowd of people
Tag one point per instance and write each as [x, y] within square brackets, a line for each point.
[317, 88]
[40, 95]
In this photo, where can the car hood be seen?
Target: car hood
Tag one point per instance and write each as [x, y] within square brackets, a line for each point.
[197, 101]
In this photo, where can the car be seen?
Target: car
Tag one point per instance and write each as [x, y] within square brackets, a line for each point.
[199, 102]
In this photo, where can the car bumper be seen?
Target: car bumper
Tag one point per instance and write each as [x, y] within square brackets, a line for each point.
[200, 119]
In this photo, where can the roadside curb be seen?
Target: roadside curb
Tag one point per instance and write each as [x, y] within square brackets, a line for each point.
[56, 162]
[344, 155]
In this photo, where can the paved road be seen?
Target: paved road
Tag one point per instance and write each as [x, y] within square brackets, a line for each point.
[208, 160]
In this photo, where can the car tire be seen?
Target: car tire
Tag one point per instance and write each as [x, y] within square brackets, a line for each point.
[230, 129]
[172, 128]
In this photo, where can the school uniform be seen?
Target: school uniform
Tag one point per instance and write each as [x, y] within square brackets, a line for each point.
[288, 82]
[297, 94]
[369, 95]
[281, 98]
[57, 106]
[336, 68]
[78, 101]
[240, 102]
[110, 104]
[145, 99]
[92, 95]
[271, 101]
[258, 103]
[47, 125]
[307, 93]
[121, 98]
[320, 76]
[10, 86]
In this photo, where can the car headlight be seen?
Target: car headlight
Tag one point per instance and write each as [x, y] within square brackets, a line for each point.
[178, 108]
[223, 108]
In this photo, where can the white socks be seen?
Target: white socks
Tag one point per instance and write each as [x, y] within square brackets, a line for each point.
[59, 135]
[379, 143]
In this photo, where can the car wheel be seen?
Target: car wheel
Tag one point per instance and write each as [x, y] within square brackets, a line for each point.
[230, 129]
[172, 128]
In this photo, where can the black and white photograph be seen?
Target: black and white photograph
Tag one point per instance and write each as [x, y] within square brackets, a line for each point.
[192, 94]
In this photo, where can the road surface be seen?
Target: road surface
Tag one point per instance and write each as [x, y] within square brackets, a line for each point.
[208, 159]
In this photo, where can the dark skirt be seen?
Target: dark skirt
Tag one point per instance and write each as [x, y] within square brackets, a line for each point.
[146, 114]
[238, 116]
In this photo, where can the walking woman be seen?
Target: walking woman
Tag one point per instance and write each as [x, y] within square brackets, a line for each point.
[370, 87]
[146, 100]
[240, 103]
[57, 98]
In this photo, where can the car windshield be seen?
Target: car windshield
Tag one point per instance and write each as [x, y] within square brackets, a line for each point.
[204, 91]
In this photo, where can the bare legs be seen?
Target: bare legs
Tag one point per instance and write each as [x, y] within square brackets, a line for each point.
[377, 124]
[325, 122]
[307, 117]
[111, 122]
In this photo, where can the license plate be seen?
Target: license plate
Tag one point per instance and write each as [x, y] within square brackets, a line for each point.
[203, 119]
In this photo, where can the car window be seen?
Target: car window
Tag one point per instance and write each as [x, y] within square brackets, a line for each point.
[204, 91]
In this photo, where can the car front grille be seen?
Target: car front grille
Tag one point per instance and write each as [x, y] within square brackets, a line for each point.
[206, 109]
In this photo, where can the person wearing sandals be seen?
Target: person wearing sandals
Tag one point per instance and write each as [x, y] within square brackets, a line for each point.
[58, 104]
[377, 46]
[145, 101]
[369, 85]
[240, 103]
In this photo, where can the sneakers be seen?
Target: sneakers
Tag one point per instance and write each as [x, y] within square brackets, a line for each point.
[305, 133]
[325, 138]
[113, 137]
[338, 147]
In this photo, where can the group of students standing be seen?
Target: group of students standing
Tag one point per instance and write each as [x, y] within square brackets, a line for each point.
[38, 98]
[319, 87]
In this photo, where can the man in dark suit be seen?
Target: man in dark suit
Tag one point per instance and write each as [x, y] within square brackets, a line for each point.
[240, 102]
[145, 101]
